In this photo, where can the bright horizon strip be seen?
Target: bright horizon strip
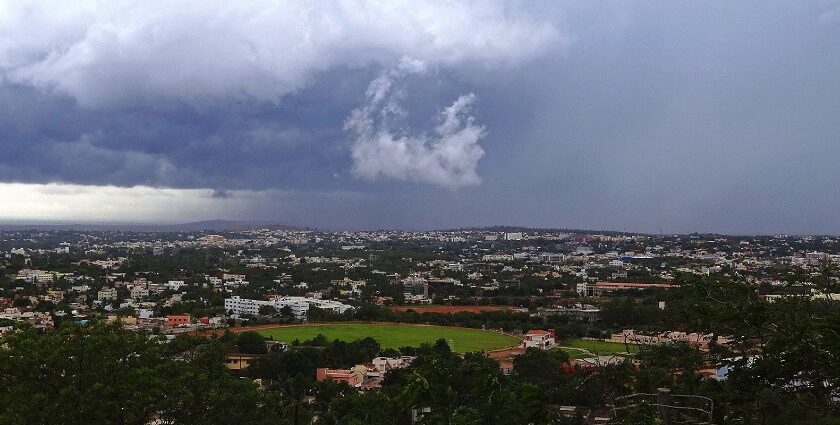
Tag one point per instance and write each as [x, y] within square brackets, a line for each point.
[61, 201]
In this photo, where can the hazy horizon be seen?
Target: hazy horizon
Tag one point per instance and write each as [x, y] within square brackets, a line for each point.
[217, 225]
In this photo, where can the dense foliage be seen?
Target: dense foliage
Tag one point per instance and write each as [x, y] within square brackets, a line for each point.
[103, 374]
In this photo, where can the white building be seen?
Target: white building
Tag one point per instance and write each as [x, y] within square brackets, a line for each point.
[539, 339]
[300, 305]
[139, 292]
[585, 289]
[456, 267]
[33, 276]
[107, 294]
[497, 257]
[548, 257]
[238, 306]
[384, 364]
[175, 284]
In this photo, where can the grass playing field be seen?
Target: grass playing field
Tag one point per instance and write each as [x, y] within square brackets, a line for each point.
[596, 347]
[462, 340]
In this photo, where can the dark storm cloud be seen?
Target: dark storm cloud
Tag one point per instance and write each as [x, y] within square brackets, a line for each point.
[690, 116]
[252, 94]
[257, 146]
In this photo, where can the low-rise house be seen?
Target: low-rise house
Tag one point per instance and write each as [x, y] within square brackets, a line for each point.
[540, 339]
[125, 320]
[107, 294]
[38, 319]
[173, 321]
[139, 292]
[384, 364]
[352, 377]
[238, 361]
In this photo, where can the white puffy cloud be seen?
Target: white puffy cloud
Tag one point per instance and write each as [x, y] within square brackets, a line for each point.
[121, 52]
[448, 157]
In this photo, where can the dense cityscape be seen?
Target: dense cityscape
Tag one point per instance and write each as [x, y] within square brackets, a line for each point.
[595, 323]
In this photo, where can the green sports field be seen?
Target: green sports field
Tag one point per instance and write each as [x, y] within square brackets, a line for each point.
[602, 348]
[462, 340]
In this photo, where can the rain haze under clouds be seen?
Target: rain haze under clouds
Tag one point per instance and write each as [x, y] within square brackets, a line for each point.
[650, 116]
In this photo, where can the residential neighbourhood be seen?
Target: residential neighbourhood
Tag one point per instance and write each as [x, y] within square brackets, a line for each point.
[547, 272]
[591, 302]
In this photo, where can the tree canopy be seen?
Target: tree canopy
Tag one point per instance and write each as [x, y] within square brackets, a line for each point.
[103, 374]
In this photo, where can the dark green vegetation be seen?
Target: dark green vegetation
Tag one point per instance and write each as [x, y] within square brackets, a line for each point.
[102, 374]
[785, 358]
[462, 340]
[457, 389]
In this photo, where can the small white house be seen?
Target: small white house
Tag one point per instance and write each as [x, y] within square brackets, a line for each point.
[540, 339]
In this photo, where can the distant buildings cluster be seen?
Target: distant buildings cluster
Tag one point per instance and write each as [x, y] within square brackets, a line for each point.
[595, 289]
[698, 340]
[238, 307]
[365, 376]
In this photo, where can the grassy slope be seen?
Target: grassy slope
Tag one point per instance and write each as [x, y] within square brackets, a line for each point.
[396, 336]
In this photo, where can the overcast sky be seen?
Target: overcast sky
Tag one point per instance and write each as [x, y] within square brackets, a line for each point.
[710, 116]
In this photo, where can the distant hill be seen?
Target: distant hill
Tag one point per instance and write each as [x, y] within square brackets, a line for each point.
[231, 225]
[502, 228]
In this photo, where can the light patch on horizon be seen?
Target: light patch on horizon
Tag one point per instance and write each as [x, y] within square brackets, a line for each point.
[58, 201]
